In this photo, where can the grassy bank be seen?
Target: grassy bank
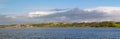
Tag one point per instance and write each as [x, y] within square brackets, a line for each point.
[105, 24]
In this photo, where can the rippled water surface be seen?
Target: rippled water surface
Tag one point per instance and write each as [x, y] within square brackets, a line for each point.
[60, 33]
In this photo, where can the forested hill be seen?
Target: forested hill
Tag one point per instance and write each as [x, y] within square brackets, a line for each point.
[105, 24]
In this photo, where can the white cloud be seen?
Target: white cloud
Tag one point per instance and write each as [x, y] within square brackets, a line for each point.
[112, 13]
[90, 14]
[42, 13]
[39, 13]
[108, 10]
[72, 15]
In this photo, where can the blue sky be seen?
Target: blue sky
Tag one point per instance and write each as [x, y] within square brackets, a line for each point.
[22, 7]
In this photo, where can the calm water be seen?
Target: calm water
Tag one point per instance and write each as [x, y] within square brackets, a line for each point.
[60, 33]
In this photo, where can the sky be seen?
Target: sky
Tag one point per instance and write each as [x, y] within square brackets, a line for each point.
[32, 11]
[21, 7]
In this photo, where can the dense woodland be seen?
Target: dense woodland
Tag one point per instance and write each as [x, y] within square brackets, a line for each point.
[105, 24]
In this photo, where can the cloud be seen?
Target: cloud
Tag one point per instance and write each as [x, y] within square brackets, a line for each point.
[42, 13]
[90, 14]
[71, 15]
[3, 17]
[6, 19]
[39, 13]
[111, 13]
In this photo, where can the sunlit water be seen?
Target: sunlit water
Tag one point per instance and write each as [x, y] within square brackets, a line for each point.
[60, 33]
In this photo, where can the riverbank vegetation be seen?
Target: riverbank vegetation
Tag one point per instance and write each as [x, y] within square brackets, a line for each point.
[105, 24]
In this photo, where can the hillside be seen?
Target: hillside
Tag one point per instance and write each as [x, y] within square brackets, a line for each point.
[104, 24]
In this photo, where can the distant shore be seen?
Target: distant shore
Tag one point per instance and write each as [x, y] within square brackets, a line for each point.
[105, 24]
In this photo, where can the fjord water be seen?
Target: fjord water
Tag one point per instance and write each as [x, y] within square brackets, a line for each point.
[59, 33]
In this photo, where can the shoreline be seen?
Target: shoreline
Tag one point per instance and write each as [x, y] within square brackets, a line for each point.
[105, 24]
